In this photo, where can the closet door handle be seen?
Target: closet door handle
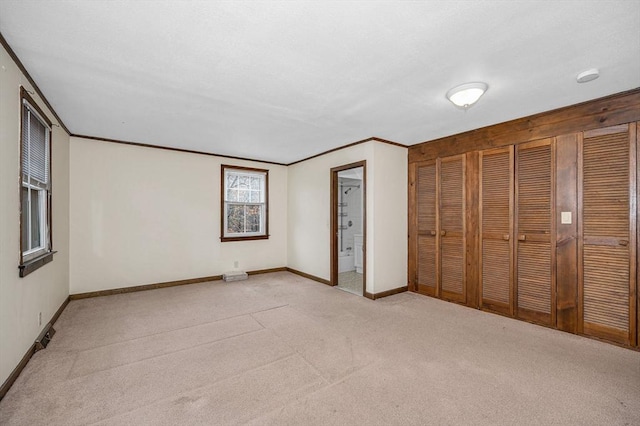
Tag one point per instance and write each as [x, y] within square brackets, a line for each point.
[433, 233]
[443, 233]
[522, 237]
[623, 243]
[505, 237]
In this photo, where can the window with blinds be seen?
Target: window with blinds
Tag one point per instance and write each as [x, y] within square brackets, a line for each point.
[35, 154]
[244, 203]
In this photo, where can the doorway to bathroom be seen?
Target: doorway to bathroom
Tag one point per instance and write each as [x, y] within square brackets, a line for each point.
[348, 227]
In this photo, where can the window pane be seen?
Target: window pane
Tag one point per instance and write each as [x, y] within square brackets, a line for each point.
[232, 180]
[253, 218]
[244, 196]
[38, 156]
[35, 219]
[34, 148]
[244, 209]
[235, 218]
[244, 182]
[25, 219]
[255, 182]
[232, 195]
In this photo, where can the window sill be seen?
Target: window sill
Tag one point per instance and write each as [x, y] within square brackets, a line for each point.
[253, 237]
[36, 263]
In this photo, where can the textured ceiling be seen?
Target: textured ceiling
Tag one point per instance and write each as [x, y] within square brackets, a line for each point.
[283, 80]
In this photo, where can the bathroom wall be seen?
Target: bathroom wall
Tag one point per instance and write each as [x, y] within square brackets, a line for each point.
[353, 209]
[308, 246]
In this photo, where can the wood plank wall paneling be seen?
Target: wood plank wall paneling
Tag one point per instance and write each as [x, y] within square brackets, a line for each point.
[567, 233]
[612, 110]
[413, 226]
[557, 251]
[472, 220]
[636, 200]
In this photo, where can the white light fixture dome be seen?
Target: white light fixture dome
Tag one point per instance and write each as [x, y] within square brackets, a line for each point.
[467, 94]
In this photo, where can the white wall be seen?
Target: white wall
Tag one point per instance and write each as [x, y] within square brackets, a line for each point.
[46, 289]
[390, 221]
[309, 241]
[142, 216]
[125, 216]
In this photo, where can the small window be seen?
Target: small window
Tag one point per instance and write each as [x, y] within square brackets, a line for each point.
[35, 199]
[244, 203]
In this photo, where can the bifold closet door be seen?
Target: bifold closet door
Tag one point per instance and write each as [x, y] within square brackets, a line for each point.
[427, 224]
[451, 196]
[496, 207]
[535, 232]
[607, 282]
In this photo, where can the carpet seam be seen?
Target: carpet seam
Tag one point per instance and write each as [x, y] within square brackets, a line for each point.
[211, 384]
[328, 386]
[297, 352]
[287, 404]
[171, 353]
[181, 328]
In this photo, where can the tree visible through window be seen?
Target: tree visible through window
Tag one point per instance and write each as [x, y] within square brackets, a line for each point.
[244, 212]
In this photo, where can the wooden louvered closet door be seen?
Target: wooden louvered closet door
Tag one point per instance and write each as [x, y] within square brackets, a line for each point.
[452, 228]
[427, 241]
[607, 257]
[535, 245]
[496, 207]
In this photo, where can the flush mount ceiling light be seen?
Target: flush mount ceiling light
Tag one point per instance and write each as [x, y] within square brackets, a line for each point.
[467, 94]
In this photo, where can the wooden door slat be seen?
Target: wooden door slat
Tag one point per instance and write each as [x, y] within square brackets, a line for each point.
[452, 196]
[426, 274]
[606, 253]
[495, 204]
[426, 195]
[534, 270]
[427, 261]
[495, 270]
[452, 228]
[534, 254]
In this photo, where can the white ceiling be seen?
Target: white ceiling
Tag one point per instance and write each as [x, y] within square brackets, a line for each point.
[284, 80]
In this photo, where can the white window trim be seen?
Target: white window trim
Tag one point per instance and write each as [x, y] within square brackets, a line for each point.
[264, 191]
[246, 234]
[43, 193]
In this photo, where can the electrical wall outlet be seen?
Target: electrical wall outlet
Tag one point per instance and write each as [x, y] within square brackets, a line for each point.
[235, 263]
[39, 319]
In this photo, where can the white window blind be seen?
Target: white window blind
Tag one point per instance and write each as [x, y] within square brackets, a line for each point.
[35, 161]
[36, 183]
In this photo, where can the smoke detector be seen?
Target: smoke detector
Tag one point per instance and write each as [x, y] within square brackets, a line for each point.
[588, 75]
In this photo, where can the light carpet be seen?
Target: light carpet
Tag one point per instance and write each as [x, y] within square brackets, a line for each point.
[279, 349]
